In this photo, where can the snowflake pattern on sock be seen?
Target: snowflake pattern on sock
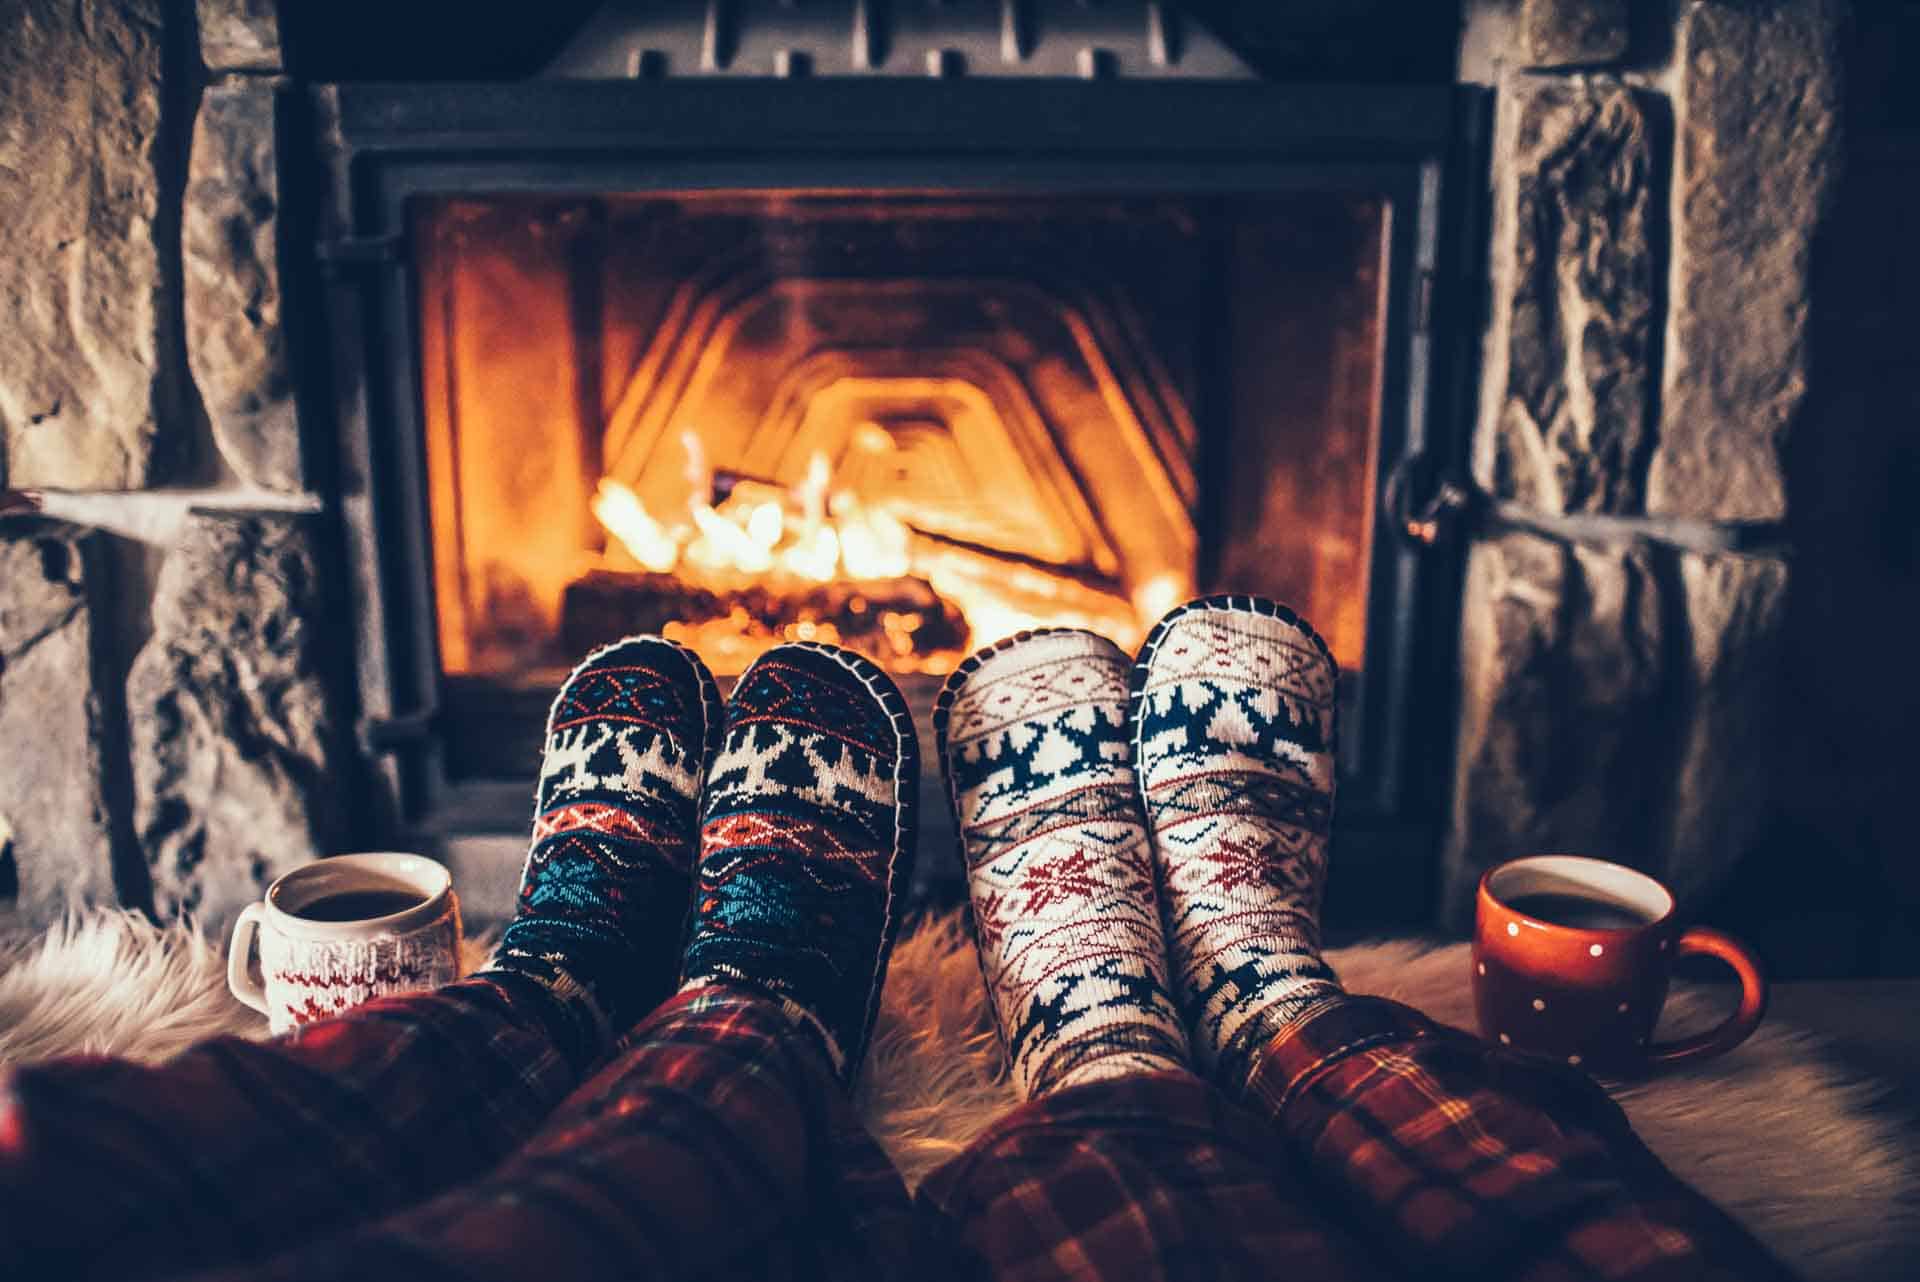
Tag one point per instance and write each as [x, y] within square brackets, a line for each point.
[1234, 708]
[605, 892]
[1034, 741]
[806, 838]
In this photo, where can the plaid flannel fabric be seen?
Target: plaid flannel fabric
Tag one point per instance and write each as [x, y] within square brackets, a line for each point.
[1371, 1143]
[1374, 1143]
[1466, 1160]
[1145, 1177]
[113, 1169]
[718, 1143]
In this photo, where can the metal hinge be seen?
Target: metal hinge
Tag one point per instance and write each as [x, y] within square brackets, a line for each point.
[1427, 503]
[347, 253]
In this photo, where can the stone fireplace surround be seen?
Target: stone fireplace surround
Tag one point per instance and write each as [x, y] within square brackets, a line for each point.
[174, 691]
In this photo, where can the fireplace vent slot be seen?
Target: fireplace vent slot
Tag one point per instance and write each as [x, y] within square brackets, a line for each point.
[1056, 39]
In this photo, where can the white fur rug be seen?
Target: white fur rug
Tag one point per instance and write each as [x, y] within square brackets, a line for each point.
[1774, 1131]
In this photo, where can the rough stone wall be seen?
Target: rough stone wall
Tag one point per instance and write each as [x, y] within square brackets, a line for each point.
[237, 775]
[1656, 198]
[235, 322]
[82, 263]
[1756, 106]
[1577, 286]
[169, 690]
[56, 833]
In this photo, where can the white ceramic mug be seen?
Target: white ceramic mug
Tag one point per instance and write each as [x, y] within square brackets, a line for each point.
[343, 930]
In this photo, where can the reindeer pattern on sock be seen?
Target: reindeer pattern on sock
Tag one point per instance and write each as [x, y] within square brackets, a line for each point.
[1235, 706]
[1039, 768]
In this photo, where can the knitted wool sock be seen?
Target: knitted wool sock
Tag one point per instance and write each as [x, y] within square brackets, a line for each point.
[806, 837]
[1033, 737]
[605, 893]
[1233, 704]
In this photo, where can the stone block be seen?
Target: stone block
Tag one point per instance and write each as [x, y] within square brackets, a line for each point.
[52, 801]
[236, 758]
[1619, 702]
[239, 35]
[236, 342]
[1728, 752]
[1573, 33]
[81, 371]
[1571, 356]
[1756, 158]
[1563, 708]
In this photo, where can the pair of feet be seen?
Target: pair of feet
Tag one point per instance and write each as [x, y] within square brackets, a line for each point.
[1145, 839]
[677, 841]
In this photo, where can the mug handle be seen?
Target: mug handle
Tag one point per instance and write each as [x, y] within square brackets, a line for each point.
[1737, 1027]
[240, 960]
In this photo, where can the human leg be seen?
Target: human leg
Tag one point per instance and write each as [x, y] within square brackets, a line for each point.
[110, 1168]
[720, 1140]
[1458, 1158]
[605, 894]
[719, 1143]
[1466, 1160]
[1034, 744]
[1124, 1163]
[1233, 729]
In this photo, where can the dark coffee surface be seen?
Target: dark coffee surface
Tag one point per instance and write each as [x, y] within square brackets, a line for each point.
[1578, 912]
[358, 905]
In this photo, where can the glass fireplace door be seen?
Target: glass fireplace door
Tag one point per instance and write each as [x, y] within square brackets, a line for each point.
[908, 423]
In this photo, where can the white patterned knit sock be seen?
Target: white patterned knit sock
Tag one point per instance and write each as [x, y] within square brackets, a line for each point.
[1033, 738]
[1234, 701]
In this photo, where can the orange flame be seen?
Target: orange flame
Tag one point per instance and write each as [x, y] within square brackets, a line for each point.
[805, 532]
[812, 534]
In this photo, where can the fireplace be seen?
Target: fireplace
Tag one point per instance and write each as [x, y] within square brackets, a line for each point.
[769, 360]
[1636, 332]
[912, 424]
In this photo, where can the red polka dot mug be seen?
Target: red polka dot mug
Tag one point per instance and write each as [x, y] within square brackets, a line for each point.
[1572, 957]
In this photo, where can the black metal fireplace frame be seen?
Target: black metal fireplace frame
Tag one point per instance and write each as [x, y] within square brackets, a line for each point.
[379, 147]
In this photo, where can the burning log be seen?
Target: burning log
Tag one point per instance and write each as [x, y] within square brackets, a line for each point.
[752, 563]
[899, 623]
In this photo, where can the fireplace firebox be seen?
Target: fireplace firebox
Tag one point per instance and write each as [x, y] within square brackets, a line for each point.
[907, 365]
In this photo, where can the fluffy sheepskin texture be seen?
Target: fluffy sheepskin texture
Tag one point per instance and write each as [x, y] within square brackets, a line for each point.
[1773, 1132]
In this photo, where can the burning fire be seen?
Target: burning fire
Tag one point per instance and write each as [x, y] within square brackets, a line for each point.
[792, 540]
[805, 533]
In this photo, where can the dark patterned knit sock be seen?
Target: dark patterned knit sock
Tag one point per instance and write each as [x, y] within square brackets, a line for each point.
[1035, 741]
[806, 837]
[604, 897]
[1234, 701]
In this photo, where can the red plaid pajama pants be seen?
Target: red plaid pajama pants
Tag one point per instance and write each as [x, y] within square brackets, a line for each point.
[441, 1136]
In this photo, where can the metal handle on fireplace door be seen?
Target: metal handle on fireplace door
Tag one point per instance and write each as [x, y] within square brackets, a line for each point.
[1430, 505]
